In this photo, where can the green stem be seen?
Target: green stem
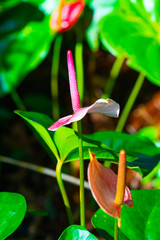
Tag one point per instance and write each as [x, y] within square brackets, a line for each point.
[43, 170]
[63, 191]
[79, 68]
[17, 100]
[116, 229]
[113, 76]
[81, 166]
[130, 102]
[54, 76]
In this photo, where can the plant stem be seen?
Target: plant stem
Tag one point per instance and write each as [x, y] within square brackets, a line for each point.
[113, 76]
[54, 76]
[116, 229]
[79, 68]
[17, 100]
[63, 191]
[43, 170]
[81, 165]
[130, 102]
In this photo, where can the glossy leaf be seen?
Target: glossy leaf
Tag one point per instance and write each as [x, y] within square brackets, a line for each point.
[76, 232]
[66, 141]
[123, 30]
[12, 211]
[22, 39]
[147, 153]
[149, 132]
[133, 221]
[40, 122]
[152, 231]
[100, 8]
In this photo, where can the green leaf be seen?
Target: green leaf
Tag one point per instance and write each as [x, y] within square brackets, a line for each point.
[22, 42]
[123, 30]
[135, 221]
[7, 4]
[76, 232]
[66, 141]
[40, 122]
[100, 9]
[149, 132]
[12, 211]
[147, 153]
[152, 230]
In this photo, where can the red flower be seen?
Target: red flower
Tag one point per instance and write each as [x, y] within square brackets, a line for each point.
[66, 15]
[103, 184]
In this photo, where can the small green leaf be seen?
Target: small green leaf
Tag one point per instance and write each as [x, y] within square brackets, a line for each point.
[12, 211]
[40, 122]
[76, 232]
[149, 132]
[133, 221]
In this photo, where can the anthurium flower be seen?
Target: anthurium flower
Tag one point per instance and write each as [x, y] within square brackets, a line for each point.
[67, 14]
[103, 184]
[101, 106]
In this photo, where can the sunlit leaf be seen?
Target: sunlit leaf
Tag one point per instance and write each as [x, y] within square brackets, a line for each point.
[66, 141]
[133, 221]
[76, 232]
[147, 153]
[40, 122]
[100, 9]
[12, 211]
[23, 44]
[130, 31]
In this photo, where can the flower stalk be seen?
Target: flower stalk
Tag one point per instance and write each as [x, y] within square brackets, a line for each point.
[63, 191]
[121, 183]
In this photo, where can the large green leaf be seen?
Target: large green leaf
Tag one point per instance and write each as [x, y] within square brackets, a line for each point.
[12, 211]
[66, 141]
[136, 223]
[100, 8]
[152, 230]
[131, 31]
[147, 153]
[76, 232]
[25, 41]
[40, 122]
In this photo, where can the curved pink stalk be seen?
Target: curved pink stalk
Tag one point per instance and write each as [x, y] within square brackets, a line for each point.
[102, 106]
[73, 82]
[103, 184]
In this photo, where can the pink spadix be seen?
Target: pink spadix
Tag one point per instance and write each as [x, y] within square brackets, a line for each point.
[102, 106]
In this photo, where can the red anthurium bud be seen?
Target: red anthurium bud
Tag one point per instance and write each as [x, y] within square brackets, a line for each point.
[103, 184]
[65, 17]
